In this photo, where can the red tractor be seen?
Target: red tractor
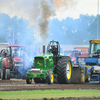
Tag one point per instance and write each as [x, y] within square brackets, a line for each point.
[13, 65]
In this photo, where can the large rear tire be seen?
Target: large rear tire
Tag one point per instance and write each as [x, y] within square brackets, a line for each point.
[7, 74]
[64, 70]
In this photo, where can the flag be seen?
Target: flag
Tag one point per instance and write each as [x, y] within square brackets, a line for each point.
[11, 36]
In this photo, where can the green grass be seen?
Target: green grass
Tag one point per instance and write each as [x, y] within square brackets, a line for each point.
[40, 94]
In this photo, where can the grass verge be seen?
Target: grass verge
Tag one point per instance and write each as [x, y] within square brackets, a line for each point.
[40, 94]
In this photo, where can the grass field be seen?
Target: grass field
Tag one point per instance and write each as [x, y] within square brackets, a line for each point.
[40, 94]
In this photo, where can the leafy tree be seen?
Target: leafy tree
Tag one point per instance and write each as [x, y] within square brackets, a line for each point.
[72, 31]
[21, 28]
[92, 29]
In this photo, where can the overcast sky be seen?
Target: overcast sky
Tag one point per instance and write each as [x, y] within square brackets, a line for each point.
[28, 9]
[78, 7]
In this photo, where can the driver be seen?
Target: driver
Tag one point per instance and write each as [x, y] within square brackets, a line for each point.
[52, 47]
[15, 54]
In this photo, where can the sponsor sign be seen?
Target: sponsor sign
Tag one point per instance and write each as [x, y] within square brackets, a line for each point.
[18, 64]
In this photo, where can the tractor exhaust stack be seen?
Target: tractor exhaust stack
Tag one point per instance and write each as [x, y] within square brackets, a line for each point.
[43, 49]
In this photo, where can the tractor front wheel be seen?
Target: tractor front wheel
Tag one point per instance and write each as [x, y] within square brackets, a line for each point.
[88, 77]
[50, 78]
[28, 81]
[2, 74]
[64, 70]
[7, 74]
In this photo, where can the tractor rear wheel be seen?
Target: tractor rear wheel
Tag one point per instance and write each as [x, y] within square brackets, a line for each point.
[7, 74]
[64, 70]
[28, 81]
[3, 70]
[50, 78]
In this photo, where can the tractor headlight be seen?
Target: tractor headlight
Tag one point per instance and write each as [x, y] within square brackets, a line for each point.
[80, 59]
[98, 60]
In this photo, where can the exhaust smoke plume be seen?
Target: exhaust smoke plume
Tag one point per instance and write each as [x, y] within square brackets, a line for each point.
[46, 11]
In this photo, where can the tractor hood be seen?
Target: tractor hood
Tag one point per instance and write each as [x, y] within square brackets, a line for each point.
[46, 55]
[18, 60]
[89, 60]
[44, 61]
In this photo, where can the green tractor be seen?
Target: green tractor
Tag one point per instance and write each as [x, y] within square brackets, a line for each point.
[3, 53]
[51, 67]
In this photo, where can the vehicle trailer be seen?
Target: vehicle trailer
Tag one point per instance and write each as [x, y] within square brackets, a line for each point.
[51, 67]
[74, 53]
[91, 63]
[12, 65]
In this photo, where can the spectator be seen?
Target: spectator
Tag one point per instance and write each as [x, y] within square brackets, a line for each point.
[15, 54]
[16, 42]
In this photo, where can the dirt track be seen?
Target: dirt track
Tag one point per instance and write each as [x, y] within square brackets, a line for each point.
[19, 84]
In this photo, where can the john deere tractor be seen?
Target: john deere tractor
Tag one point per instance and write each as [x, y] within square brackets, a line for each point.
[51, 67]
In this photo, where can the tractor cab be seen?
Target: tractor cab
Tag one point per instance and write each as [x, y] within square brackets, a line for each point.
[94, 50]
[54, 47]
[15, 54]
[13, 63]
[19, 50]
[16, 50]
